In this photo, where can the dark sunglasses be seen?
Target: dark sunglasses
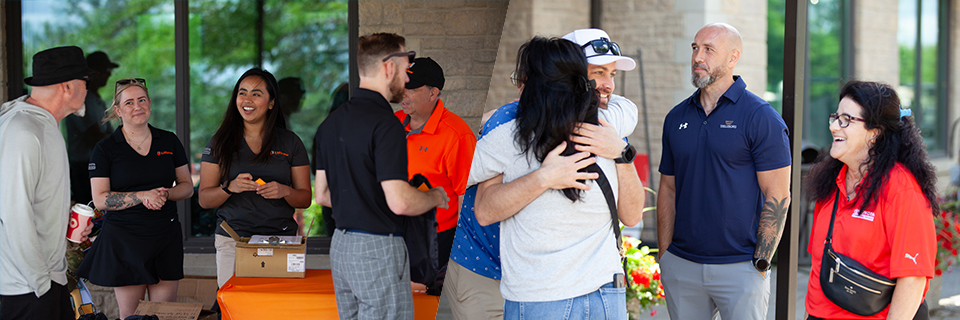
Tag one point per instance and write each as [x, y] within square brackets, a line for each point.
[602, 46]
[411, 55]
[123, 82]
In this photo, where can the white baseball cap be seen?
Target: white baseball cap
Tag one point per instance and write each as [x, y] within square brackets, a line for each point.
[584, 37]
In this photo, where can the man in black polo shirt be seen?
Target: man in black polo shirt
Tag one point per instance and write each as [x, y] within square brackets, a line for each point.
[362, 154]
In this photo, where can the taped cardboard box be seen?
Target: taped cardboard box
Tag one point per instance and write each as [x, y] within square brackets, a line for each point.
[169, 310]
[199, 289]
[262, 260]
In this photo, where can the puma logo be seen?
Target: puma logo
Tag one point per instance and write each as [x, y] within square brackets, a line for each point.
[914, 257]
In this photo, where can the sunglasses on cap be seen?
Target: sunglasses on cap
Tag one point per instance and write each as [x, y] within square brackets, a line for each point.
[411, 55]
[123, 82]
[602, 46]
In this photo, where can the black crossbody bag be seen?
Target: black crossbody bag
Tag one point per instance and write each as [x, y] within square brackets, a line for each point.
[848, 283]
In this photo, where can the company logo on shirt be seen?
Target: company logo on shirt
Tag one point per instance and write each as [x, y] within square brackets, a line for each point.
[728, 124]
[914, 257]
[866, 215]
[279, 152]
[422, 148]
[206, 151]
[683, 126]
[160, 153]
[91, 166]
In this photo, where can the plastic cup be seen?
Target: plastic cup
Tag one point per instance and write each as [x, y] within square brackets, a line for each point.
[80, 216]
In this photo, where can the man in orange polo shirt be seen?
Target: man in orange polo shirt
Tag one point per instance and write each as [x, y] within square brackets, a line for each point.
[439, 144]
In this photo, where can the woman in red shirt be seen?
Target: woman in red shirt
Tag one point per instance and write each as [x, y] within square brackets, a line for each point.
[887, 200]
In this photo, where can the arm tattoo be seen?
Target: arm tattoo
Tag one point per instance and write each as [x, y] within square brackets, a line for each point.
[121, 200]
[772, 219]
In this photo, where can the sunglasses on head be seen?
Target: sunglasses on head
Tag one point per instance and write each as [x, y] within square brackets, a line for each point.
[123, 82]
[603, 46]
[411, 55]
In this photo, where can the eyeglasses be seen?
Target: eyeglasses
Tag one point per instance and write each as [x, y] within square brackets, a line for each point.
[844, 119]
[123, 82]
[514, 79]
[602, 46]
[411, 55]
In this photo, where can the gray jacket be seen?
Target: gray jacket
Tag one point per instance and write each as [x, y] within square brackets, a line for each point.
[34, 200]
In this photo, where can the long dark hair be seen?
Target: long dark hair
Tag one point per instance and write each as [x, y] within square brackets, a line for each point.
[898, 141]
[226, 141]
[556, 97]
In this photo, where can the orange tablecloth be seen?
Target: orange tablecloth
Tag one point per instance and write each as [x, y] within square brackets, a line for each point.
[309, 298]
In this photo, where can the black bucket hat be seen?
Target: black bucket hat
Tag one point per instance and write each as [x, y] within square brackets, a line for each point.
[56, 65]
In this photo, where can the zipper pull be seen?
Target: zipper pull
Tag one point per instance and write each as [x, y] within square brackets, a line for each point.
[838, 264]
[831, 275]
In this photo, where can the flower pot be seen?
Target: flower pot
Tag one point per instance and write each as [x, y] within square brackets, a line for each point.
[933, 293]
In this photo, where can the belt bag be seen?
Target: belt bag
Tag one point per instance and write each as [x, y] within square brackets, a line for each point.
[848, 283]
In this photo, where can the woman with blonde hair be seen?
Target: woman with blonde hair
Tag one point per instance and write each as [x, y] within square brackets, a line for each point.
[136, 175]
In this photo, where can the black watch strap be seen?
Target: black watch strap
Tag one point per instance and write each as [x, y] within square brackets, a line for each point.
[627, 155]
[226, 188]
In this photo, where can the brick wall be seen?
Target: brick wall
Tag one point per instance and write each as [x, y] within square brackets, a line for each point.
[462, 36]
[876, 52]
[525, 19]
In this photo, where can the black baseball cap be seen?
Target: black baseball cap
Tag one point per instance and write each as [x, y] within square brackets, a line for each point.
[425, 71]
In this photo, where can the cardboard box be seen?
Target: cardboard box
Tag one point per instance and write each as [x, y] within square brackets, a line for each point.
[260, 260]
[169, 310]
[198, 289]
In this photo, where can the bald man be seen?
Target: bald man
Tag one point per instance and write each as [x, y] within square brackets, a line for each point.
[724, 188]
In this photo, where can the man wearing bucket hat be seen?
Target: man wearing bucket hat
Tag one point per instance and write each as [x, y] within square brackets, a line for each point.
[84, 131]
[35, 187]
[439, 144]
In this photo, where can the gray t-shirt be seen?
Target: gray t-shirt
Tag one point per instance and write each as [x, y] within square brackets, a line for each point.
[553, 248]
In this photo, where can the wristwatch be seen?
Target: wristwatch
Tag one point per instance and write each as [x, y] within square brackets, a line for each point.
[226, 188]
[627, 155]
[761, 264]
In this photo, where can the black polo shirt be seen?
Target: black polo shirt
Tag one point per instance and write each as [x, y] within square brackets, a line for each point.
[129, 171]
[359, 145]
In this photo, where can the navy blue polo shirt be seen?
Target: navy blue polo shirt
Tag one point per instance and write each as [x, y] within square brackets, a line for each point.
[359, 145]
[714, 160]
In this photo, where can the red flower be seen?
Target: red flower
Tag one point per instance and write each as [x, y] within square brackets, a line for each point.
[939, 272]
[653, 313]
[656, 275]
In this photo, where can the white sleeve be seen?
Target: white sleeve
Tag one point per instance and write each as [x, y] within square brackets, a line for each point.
[622, 113]
[494, 152]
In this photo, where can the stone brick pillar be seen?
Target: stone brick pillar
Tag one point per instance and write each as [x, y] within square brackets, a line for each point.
[462, 36]
[876, 51]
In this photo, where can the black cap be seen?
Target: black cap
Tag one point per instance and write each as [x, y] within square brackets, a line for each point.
[100, 61]
[56, 65]
[425, 71]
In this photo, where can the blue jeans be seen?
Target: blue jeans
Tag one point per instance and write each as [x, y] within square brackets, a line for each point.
[605, 303]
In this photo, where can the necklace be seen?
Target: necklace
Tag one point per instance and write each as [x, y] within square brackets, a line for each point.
[141, 141]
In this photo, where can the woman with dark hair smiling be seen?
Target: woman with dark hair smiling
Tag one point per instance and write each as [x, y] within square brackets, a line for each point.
[254, 169]
[558, 247]
[876, 196]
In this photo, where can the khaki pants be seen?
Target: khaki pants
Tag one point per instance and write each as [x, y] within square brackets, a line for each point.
[471, 295]
[226, 258]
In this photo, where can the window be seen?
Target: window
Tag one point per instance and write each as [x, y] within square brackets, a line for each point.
[922, 84]
[301, 39]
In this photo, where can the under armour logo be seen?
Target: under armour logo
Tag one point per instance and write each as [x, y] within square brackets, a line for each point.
[914, 257]
[683, 126]
[422, 148]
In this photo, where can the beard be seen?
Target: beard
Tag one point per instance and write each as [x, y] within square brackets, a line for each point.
[711, 77]
[397, 88]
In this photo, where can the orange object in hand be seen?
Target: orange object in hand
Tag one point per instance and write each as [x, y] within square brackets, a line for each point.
[260, 181]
